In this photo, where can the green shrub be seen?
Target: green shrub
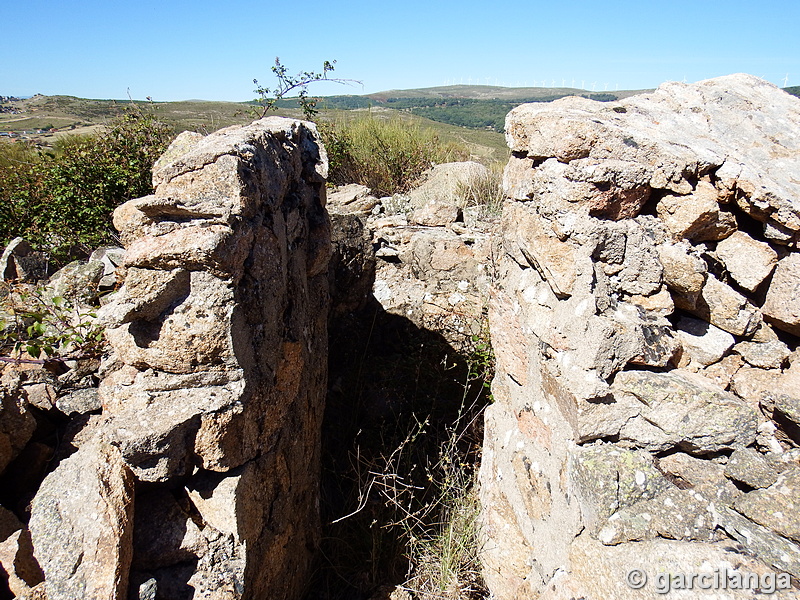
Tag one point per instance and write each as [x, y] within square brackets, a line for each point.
[386, 155]
[49, 326]
[64, 202]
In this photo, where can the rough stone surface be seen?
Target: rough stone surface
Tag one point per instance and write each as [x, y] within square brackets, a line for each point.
[16, 559]
[217, 374]
[82, 525]
[747, 260]
[776, 507]
[615, 412]
[16, 422]
[768, 388]
[773, 549]
[751, 468]
[696, 216]
[681, 411]
[706, 477]
[437, 277]
[767, 355]
[78, 281]
[721, 305]
[600, 571]
[702, 341]
[81, 401]
[684, 272]
[19, 262]
[435, 214]
[645, 139]
[782, 305]
[441, 183]
[351, 199]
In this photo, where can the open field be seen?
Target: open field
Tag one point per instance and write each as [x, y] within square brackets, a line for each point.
[67, 115]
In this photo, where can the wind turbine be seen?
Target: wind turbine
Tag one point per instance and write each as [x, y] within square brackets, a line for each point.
[593, 85]
[563, 82]
[605, 88]
[785, 80]
[573, 83]
[583, 84]
[552, 83]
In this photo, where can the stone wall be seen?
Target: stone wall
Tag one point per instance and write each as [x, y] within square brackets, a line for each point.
[646, 398]
[200, 477]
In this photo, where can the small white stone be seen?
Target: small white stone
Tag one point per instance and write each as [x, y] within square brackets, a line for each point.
[455, 298]
[607, 534]
[640, 478]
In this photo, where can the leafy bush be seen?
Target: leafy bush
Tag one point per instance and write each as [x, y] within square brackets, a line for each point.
[44, 325]
[64, 202]
[386, 155]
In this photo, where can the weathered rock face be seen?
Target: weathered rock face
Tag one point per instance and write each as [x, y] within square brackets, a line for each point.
[200, 478]
[645, 406]
[432, 268]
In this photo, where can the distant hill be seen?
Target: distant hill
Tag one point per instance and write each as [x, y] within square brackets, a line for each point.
[793, 90]
[473, 106]
[43, 119]
[474, 114]
[493, 92]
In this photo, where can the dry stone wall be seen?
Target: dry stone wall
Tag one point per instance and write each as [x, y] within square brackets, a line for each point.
[646, 398]
[199, 479]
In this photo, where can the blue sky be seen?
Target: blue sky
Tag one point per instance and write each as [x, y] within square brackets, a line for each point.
[173, 50]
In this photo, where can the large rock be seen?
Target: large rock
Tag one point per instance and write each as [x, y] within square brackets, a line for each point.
[721, 305]
[776, 507]
[747, 260]
[603, 572]
[217, 373]
[703, 342]
[17, 563]
[17, 424]
[679, 410]
[643, 138]
[351, 199]
[437, 277]
[82, 525]
[20, 262]
[441, 183]
[615, 411]
[782, 306]
[696, 216]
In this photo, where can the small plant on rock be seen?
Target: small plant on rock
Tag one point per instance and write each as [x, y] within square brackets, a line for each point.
[268, 98]
[484, 191]
[48, 326]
